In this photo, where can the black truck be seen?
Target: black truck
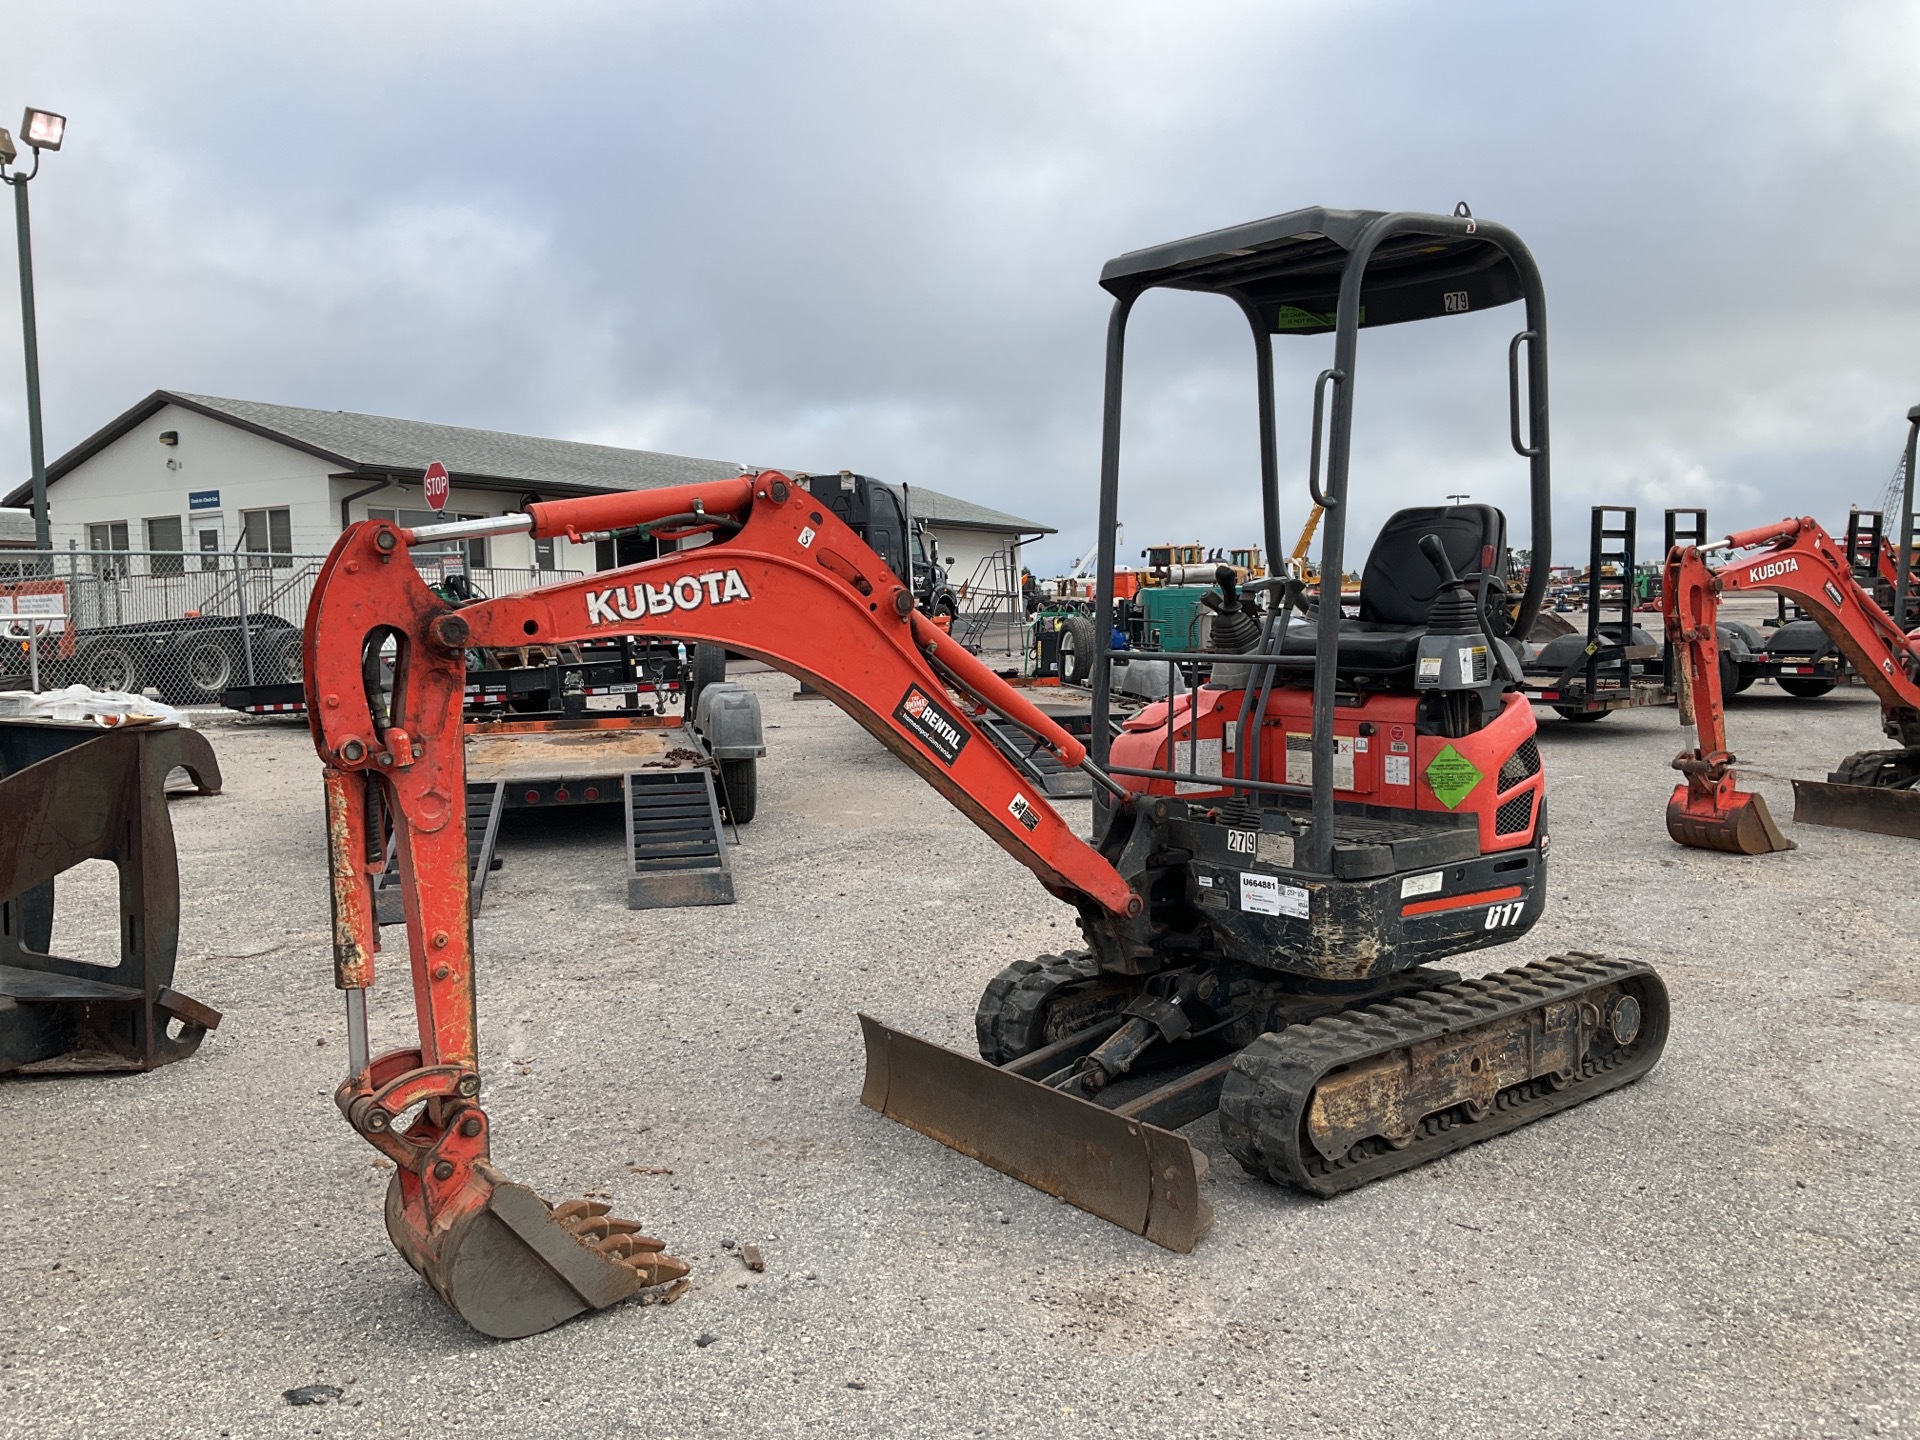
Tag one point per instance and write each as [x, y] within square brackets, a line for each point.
[882, 515]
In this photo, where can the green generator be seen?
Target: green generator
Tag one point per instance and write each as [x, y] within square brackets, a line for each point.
[1171, 617]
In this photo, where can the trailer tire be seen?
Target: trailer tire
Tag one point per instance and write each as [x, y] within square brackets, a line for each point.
[205, 668]
[1567, 712]
[280, 661]
[740, 787]
[1079, 645]
[111, 665]
[1804, 689]
[707, 666]
[1729, 676]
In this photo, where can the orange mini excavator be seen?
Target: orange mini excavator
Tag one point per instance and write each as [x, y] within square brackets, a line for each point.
[1324, 808]
[1872, 790]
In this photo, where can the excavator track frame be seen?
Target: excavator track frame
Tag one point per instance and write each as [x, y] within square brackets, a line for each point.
[1437, 1071]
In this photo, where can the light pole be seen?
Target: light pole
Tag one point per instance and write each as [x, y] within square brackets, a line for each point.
[42, 130]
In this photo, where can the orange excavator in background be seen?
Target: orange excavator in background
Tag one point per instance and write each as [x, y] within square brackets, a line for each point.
[1870, 790]
[1282, 851]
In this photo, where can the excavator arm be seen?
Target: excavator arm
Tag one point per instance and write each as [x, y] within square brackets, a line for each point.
[1799, 559]
[779, 578]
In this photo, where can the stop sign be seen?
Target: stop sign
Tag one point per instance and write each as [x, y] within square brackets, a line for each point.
[435, 485]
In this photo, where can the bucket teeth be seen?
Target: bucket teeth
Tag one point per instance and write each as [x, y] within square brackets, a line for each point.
[591, 1223]
[629, 1244]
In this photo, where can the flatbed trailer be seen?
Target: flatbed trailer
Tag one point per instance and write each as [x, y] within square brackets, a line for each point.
[1617, 666]
[592, 726]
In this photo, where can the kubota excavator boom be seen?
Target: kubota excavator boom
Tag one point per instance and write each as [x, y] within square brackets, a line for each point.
[1798, 559]
[792, 584]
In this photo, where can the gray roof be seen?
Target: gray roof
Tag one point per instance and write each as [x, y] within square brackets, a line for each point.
[379, 445]
[939, 509]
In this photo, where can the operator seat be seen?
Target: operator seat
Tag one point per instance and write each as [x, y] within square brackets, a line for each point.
[1398, 587]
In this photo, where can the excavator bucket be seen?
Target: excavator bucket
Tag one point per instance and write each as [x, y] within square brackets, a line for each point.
[1872, 808]
[518, 1266]
[1732, 820]
[1109, 1162]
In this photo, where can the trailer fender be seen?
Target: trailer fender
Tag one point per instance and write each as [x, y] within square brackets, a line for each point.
[729, 716]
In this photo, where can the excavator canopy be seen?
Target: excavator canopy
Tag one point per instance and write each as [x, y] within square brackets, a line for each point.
[1289, 267]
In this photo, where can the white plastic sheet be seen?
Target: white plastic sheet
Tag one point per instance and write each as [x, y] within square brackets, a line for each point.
[78, 704]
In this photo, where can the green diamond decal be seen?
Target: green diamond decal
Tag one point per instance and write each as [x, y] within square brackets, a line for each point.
[1452, 776]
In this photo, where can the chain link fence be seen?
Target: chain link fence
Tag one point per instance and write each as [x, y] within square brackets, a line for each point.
[184, 625]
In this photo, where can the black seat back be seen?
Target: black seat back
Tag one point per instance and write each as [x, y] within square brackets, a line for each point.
[1398, 587]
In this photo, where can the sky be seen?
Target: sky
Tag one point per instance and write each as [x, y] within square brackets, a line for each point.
[868, 236]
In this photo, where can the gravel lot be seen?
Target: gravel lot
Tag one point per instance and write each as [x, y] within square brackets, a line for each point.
[1727, 1248]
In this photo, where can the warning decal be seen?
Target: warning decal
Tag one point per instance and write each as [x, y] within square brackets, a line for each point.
[1451, 776]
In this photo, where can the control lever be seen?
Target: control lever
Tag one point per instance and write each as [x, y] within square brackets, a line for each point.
[1436, 554]
[1437, 557]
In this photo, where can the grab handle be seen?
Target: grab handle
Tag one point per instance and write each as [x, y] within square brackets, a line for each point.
[1313, 459]
[1525, 337]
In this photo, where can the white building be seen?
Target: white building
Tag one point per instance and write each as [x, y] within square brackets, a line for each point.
[191, 474]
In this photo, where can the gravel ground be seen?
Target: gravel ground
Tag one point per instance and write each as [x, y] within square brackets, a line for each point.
[1727, 1248]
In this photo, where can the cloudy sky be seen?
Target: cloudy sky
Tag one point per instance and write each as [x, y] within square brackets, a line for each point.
[867, 235]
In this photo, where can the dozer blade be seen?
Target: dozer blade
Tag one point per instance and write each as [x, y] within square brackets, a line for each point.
[1739, 823]
[1872, 808]
[1139, 1176]
[519, 1266]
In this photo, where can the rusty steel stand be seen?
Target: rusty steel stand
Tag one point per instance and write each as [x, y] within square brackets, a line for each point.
[70, 793]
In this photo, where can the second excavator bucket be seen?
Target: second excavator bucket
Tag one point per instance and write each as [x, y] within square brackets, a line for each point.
[1732, 820]
[1875, 809]
[1139, 1176]
[517, 1266]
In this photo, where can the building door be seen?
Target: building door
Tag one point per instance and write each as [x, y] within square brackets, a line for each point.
[207, 540]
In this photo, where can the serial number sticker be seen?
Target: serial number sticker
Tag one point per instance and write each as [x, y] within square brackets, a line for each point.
[1428, 884]
[1266, 895]
[1399, 770]
[1206, 881]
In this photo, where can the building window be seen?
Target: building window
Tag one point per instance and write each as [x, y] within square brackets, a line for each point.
[164, 544]
[472, 552]
[108, 542]
[267, 536]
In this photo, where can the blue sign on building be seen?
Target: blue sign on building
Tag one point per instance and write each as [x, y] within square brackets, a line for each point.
[203, 499]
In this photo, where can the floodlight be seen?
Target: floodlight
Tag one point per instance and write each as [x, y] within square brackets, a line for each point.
[7, 152]
[42, 129]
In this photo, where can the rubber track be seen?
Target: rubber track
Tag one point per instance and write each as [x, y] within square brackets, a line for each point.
[1010, 1020]
[1264, 1102]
